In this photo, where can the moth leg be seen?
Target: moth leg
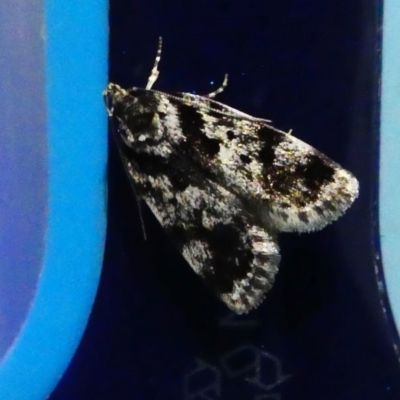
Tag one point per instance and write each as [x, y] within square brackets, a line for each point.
[155, 72]
[139, 205]
[136, 192]
[220, 89]
[139, 200]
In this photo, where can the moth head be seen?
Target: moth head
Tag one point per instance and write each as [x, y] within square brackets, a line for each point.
[113, 98]
[135, 111]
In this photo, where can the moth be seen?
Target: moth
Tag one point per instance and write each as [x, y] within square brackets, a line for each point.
[223, 184]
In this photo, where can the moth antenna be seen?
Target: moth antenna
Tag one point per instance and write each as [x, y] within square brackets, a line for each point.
[220, 89]
[155, 72]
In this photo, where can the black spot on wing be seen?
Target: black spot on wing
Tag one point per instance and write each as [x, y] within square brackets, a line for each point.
[269, 139]
[282, 214]
[303, 217]
[171, 167]
[210, 145]
[315, 172]
[327, 205]
[319, 210]
[230, 134]
[230, 257]
[304, 183]
[245, 158]
[192, 124]
[299, 183]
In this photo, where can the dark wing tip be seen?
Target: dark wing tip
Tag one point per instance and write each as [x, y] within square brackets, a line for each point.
[331, 202]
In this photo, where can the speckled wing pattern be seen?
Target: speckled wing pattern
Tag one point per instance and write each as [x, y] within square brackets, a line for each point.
[224, 184]
[219, 239]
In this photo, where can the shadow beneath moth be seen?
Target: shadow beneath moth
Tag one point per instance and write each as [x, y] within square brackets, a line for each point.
[223, 184]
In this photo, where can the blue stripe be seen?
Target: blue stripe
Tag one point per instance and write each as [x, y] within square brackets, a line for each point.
[76, 73]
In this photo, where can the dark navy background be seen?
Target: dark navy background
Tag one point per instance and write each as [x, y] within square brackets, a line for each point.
[156, 332]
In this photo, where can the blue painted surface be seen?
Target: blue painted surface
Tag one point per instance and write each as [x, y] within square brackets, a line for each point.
[23, 164]
[75, 56]
[389, 190]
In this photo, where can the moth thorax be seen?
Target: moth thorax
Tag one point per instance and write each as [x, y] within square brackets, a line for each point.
[143, 127]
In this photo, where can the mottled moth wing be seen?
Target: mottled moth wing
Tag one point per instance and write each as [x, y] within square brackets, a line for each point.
[294, 186]
[289, 184]
[223, 183]
[219, 239]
